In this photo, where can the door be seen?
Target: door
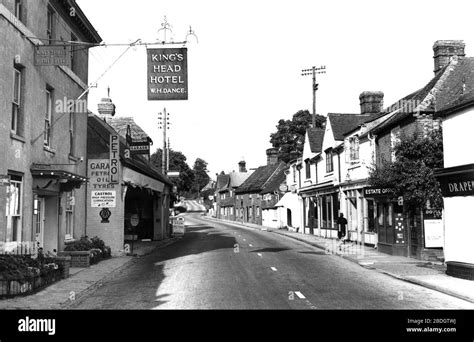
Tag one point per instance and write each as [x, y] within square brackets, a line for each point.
[38, 217]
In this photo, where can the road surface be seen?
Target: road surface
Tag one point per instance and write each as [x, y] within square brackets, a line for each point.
[221, 266]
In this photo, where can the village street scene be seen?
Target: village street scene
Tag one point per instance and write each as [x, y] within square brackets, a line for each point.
[254, 159]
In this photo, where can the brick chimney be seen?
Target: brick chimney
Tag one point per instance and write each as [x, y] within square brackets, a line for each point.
[272, 156]
[242, 166]
[371, 102]
[443, 50]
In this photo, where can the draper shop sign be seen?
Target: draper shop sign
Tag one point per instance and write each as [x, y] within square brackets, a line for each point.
[167, 74]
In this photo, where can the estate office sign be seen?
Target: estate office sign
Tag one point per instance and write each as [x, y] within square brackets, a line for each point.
[167, 77]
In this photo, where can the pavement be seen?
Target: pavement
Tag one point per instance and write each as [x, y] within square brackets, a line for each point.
[81, 281]
[428, 274]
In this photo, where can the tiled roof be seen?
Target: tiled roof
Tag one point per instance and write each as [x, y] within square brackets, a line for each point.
[458, 86]
[237, 178]
[315, 137]
[258, 180]
[343, 123]
[120, 125]
[98, 132]
[222, 181]
[276, 180]
[449, 87]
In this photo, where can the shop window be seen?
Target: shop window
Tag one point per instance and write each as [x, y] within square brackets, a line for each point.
[14, 208]
[69, 215]
[371, 216]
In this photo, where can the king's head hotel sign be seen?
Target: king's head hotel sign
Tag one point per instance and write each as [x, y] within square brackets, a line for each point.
[167, 74]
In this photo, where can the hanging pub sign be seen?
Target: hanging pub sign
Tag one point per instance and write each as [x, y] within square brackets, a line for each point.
[167, 77]
[52, 55]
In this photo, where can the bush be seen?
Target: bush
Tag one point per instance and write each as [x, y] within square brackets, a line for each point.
[96, 246]
[24, 268]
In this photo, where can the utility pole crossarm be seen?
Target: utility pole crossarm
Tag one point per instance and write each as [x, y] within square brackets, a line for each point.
[312, 72]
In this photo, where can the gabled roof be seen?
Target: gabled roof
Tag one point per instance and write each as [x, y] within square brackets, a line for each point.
[119, 124]
[222, 181]
[343, 123]
[98, 132]
[315, 137]
[274, 182]
[450, 85]
[258, 180]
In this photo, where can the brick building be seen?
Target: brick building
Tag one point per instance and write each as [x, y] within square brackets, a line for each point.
[42, 126]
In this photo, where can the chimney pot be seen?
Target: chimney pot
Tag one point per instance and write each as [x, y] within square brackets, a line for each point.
[242, 167]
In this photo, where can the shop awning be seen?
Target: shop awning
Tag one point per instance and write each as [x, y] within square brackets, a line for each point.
[137, 179]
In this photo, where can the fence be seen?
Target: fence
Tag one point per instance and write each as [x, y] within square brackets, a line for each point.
[12, 288]
[19, 247]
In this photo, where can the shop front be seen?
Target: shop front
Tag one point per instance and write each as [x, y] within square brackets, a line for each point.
[321, 209]
[390, 233]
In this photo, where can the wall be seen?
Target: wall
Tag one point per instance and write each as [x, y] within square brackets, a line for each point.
[457, 132]
[17, 152]
[457, 135]
[113, 232]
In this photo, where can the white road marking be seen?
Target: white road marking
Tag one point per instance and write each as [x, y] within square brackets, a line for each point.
[250, 245]
[300, 295]
[273, 269]
[259, 254]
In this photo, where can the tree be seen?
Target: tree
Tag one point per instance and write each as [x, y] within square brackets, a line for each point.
[201, 178]
[411, 175]
[177, 162]
[290, 134]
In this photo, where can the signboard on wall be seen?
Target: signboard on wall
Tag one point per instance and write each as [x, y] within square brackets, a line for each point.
[167, 76]
[103, 198]
[52, 55]
[434, 234]
[102, 191]
[114, 147]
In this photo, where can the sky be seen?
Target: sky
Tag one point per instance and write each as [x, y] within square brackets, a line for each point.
[244, 70]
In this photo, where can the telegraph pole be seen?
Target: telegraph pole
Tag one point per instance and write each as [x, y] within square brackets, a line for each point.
[313, 71]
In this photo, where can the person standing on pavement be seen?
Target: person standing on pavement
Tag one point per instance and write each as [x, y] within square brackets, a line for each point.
[341, 225]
